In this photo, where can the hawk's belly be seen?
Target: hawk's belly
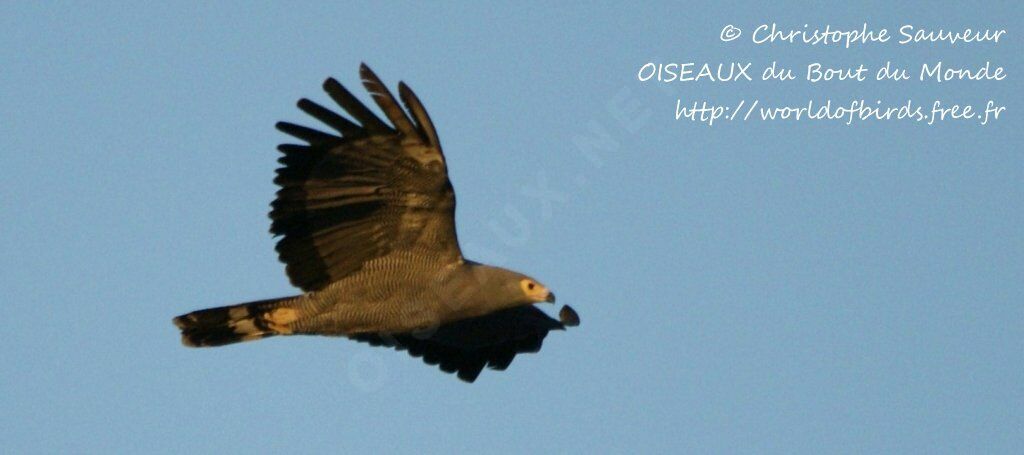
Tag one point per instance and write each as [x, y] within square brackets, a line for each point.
[350, 310]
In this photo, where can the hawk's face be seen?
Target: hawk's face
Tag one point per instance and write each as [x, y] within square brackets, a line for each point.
[535, 292]
[503, 288]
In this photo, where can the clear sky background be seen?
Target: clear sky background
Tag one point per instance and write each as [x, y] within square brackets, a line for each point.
[746, 287]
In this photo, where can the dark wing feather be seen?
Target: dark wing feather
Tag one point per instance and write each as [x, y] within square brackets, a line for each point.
[350, 198]
[465, 347]
[328, 117]
[419, 114]
[371, 123]
[386, 101]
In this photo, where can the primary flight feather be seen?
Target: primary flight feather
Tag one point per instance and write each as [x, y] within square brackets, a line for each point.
[367, 220]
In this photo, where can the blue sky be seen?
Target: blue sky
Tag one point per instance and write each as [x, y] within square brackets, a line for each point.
[746, 287]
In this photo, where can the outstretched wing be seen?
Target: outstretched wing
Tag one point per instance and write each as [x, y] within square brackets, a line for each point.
[363, 192]
[465, 347]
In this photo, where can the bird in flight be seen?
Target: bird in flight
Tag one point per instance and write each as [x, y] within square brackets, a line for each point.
[366, 216]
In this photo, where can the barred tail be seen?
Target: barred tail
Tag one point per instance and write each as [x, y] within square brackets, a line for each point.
[236, 323]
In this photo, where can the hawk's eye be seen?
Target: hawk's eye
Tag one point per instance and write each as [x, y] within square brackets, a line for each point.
[530, 286]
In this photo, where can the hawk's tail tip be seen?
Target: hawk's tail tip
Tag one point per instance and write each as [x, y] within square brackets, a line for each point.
[233, 324]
